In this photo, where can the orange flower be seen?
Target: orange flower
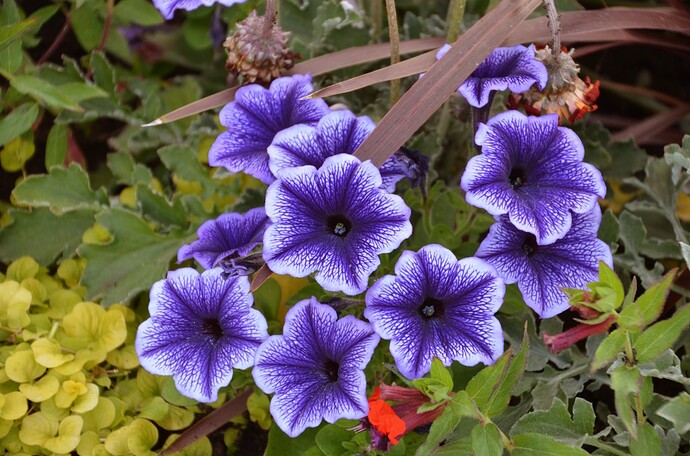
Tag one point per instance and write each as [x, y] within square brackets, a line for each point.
[383, 418]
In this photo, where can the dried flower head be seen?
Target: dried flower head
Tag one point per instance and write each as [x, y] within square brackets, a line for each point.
[566, 94]
[257, 51]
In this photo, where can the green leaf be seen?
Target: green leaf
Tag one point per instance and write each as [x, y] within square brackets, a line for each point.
[678, 156]
[44, 91]
[660, 337]
[440, 373]
[491, 387]
[444, 425]
[677, 411]
[279, 444]
[542, 445]
[159, 209]
[62, 190]
[438, 385]
[10, 33]
[132, 261]
[89, 26]
[330, 439]
[647, 442]
[625, 382]
[80, 91]
[18, 121]
[609, 278]
[609, 349]
[648, 307]
[103, 73]
[11, 56]
[16, 153]
[138, 12]
[486, 440]
[554, 422]
[609, 229]
[43, 235]
[56, 147]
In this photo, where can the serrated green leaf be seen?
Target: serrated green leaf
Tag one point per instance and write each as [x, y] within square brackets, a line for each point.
[648, 307]
[132, 261]
[62, 190]
[542, 445]
[43, 235]
[554, 422]
[103, 73]
[609, 349]
[18, 121]
[56, 146]
[80, 91]
[486, 440]
[609, 278]
[159, 209]
[647, 442]
[660, 337]
[677, 411]
[43, 90]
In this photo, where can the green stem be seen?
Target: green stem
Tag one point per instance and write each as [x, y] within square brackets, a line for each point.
[394, 38]
[456, 12]
[593, 441]
[628, 349]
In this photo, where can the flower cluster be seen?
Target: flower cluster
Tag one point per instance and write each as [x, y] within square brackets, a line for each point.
[329, 214]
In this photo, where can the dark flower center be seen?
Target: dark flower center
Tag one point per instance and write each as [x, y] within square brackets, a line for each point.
[517, 177]
[530, 246]
[330, 368]
[338, 225]
[431, 308]
[213, 329]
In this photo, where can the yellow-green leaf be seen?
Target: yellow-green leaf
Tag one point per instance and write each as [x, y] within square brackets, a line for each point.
[87, 401]
[48, 353]
[14, 304]
[100, 417]
[43, 389]
[14, 407]
[68, 435]
[22, 268]
[37, 428]
[21, 367]
[141, 437]
[16, 153]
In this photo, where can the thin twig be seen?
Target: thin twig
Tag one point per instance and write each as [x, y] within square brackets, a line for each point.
[210, 423]
[554, 20]
[58, 40]
[109, 8]
[269, 17]
[394, 38]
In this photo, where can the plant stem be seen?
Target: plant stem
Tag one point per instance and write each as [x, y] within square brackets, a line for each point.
[269, 17]
[109, 9]
[394, 38]
[593, 441]
[376, 18]
[555, 26]
[456, 12]
[57, 41]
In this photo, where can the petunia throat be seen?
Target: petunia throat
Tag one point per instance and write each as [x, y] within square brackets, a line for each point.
[213, 329]
[517, 178]
[331, 368]
[338, 225]
[431, 308]
[530, 246]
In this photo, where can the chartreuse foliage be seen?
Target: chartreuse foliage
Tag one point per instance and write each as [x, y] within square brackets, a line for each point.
[71, 382]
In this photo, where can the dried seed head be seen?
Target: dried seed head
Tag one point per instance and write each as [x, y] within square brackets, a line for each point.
[565, 93]
[256, 52]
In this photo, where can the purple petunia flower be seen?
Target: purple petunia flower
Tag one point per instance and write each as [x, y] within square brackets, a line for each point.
[542, 270]
[168, 7]
[316, 367]
[335, 220]
[201, 327]
[229, 234]
[513, 68]
[255, 117]
[532, 170]
[339, 132]
[437, 306]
